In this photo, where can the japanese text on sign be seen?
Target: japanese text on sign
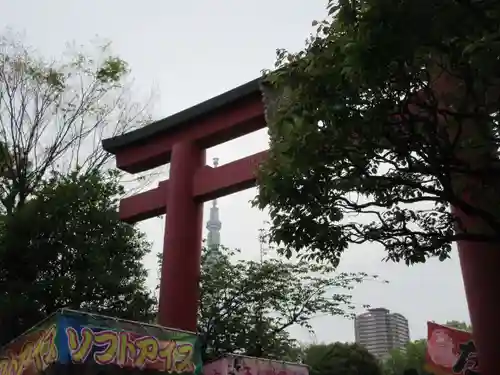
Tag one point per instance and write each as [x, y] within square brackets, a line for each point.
[127, 350]
[39, 353]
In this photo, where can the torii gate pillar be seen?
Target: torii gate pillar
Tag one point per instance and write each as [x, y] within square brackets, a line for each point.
[182, 243]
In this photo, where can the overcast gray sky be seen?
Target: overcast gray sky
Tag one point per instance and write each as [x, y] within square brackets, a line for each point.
[191, 50]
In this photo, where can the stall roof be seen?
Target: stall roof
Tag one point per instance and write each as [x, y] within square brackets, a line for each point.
[93, 319]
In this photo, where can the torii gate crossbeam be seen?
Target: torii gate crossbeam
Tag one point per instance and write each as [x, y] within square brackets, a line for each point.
[181, 140]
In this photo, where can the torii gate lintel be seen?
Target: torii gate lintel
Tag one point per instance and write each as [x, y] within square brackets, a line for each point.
[228, 116]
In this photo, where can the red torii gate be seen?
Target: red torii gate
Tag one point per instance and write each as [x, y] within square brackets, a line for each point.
[181, 140]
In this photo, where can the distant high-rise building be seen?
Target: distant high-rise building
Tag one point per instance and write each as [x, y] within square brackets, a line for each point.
[379, 331]
[214, 226]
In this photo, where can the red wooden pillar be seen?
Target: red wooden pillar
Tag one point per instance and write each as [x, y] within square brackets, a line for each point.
[180, 269]
[479, 263]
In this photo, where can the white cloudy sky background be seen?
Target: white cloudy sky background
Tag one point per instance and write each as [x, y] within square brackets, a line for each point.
[192, 50]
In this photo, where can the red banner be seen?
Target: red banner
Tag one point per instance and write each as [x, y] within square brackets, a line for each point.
[450, 351]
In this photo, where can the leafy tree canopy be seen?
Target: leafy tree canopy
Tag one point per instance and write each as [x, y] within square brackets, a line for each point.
[66, 247]
[61, 242]
[247, 306]
[459, 325]
[412, 356]
[54, 114]
[340, 359]
[391, 111]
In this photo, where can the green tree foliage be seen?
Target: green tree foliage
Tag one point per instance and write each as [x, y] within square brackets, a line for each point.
[53, 114]
[361, 123]
[66, 247]
[459, 325]
[340, 359]
[412, 356]
[61, 243]
[247, 306]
